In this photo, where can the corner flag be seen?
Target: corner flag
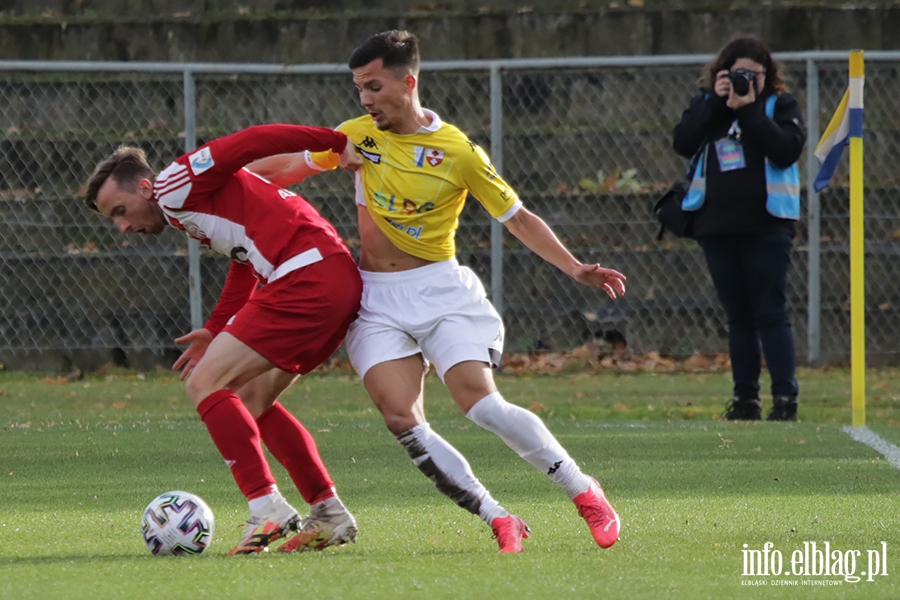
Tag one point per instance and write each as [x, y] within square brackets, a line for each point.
[847, 122]
[831, 146]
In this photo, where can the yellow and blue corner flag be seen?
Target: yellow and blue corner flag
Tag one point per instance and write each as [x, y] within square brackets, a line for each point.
[847, 122]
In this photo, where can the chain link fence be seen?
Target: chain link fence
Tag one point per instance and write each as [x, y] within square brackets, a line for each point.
[586, 142]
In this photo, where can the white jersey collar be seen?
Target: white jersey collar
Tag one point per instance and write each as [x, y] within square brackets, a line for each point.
[436, 122]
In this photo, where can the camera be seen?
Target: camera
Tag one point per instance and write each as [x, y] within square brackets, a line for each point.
[741, 80]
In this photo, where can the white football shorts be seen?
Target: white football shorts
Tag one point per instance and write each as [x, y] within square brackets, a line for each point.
[439, 310]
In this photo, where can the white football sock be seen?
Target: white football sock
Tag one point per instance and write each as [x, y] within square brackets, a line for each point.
[527, 435]
[330, 501]
[260, 502]
[449, 471]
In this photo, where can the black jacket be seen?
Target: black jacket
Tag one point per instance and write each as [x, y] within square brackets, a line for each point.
[735, 201]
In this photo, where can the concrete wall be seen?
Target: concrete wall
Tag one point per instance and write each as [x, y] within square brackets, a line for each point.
[201, 8]
[160, 35]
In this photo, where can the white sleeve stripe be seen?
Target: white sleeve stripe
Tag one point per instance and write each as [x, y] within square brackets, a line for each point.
[169, 193]
[170, 189]
[511, 212]
[171, 170]
[171, 184]
[172, 176]
[175, 197]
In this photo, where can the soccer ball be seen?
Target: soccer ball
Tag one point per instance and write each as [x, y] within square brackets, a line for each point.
[177, 523]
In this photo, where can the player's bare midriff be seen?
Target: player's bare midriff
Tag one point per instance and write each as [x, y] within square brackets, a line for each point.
[379, 254]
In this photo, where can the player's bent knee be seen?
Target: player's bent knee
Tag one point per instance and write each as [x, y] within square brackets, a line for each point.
[201, 384]
[399, 423]
[196, 390]
[213, 375]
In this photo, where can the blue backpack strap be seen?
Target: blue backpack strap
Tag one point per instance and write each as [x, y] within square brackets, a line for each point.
[693, 200]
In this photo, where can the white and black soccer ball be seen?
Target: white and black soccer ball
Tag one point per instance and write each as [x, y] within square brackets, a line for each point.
[177, 523]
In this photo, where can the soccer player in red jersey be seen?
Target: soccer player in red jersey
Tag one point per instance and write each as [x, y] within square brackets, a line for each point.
[420, 306]
[256, 341]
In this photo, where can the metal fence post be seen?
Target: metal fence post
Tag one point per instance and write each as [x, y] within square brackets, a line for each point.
[497, 160]
[814, 291]
[190, 144]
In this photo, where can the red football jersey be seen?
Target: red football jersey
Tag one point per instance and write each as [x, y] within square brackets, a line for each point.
[209, 195]
[260, 226]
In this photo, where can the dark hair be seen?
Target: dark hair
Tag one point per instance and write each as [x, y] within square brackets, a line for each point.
[127, 165]
[397, 49]
[745, 46]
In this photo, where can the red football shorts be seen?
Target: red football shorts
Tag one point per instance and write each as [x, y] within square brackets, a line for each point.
[300, 319]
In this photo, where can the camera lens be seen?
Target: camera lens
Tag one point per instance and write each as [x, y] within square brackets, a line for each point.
[740, 84]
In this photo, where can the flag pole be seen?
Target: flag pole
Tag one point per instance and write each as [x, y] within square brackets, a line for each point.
[857, 244]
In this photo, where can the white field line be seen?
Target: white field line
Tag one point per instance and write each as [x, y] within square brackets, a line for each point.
[876, 442]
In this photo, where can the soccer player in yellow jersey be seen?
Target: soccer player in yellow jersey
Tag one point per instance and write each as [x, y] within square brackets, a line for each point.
[419, 305]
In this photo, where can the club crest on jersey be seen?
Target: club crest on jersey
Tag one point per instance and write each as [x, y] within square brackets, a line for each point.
[201, 161]
[430, 155]
[193, 230]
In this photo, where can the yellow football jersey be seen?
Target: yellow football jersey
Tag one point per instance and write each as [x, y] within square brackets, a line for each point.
[415, 185]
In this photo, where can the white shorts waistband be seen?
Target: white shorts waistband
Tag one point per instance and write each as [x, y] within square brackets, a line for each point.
[298, 261]
[444, 267]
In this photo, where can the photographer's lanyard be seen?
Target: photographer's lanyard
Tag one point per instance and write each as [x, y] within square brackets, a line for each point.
[729, 150]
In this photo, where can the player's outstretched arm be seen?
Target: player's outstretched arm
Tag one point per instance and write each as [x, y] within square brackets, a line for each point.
[287, 169]
[284, 169]
[233, 152]
[532, 231]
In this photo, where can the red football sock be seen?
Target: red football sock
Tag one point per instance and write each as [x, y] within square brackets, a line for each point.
[235, 434]
[289, 442]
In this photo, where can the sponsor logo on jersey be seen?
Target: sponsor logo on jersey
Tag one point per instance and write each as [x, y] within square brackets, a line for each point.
[372, 156]
[422, 155]
[410, 207]
[201, 161]
[368, 143]
[286, 193]
[393, 204]
[413, 232]
[193, 230]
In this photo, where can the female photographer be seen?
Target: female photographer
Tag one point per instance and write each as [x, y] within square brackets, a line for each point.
[747, 133]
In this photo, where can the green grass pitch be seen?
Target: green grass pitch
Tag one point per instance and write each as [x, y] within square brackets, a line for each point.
[79, 461]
